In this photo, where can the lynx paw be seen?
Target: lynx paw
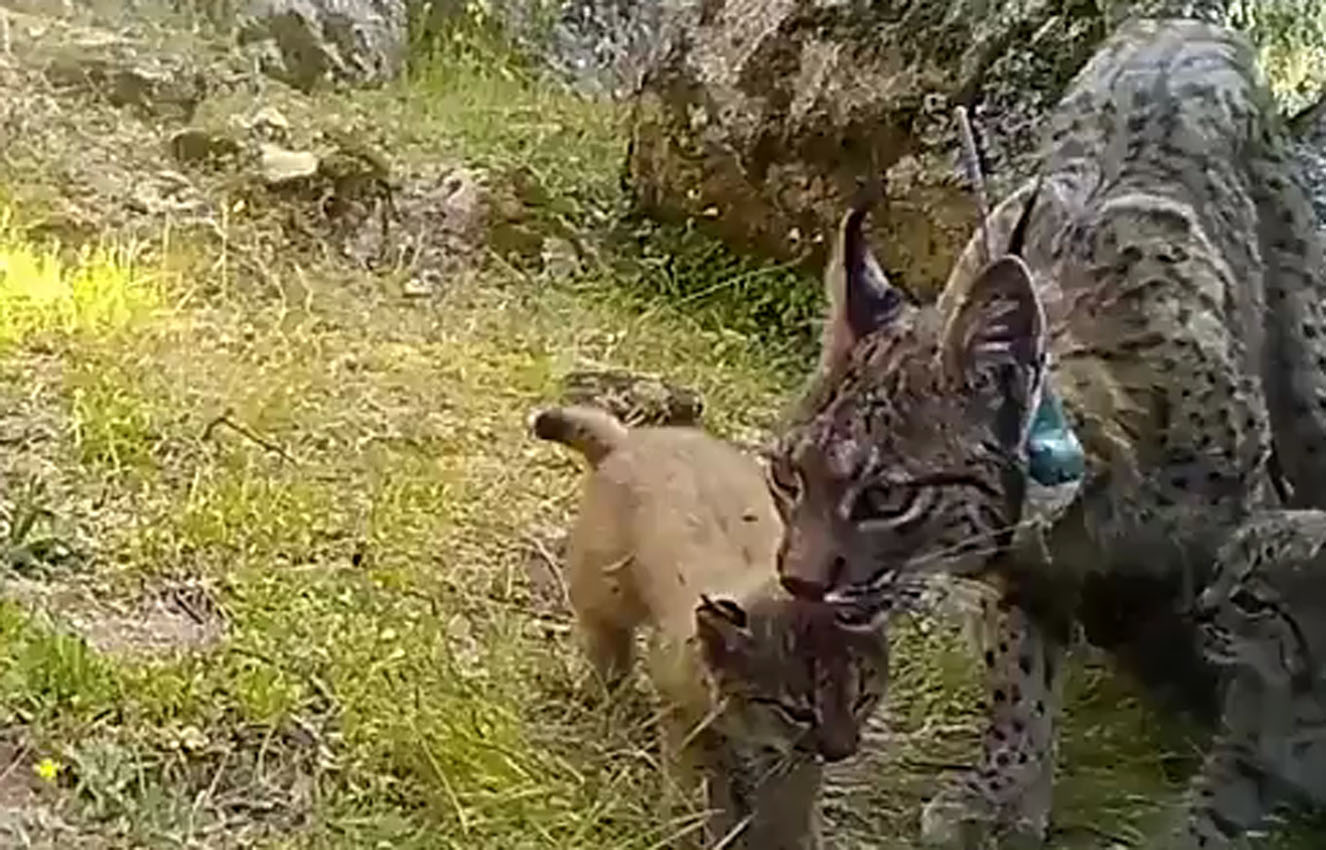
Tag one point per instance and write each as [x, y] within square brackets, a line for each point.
[958, 819]
[953, 823]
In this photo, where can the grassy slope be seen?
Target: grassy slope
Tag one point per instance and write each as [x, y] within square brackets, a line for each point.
[390, 677]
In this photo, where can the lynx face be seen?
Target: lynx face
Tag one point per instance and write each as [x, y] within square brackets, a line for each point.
[908, 454]
[790, 676]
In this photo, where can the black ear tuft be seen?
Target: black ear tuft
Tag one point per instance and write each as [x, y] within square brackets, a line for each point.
[725, 608]
[861, 299]
[1018, 239]
[870, 301]
[720, 627]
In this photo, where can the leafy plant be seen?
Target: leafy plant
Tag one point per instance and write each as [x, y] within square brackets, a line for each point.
[24, 549]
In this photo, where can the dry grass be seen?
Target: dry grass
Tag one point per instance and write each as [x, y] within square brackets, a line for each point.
[336, 482]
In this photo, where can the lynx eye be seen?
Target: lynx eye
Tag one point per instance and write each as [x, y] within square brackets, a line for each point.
[793, 714]
[1248, 602]
[784, 478]
[887, 503]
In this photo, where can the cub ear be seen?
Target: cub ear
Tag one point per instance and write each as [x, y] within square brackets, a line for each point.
[861, 299]
[995, 343]
[722, 628]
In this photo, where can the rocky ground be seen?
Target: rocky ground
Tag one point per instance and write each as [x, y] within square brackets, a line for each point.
[278, 558]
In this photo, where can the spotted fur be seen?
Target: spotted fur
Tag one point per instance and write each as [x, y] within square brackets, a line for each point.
[1164, 274]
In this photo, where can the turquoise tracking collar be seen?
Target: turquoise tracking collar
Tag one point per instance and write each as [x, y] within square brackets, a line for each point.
[1054, 453]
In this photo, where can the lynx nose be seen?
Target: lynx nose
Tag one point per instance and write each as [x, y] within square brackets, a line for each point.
[814, 588]
[836, 747]
[803, 588]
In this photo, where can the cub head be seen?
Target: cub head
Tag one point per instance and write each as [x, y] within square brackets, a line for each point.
[907, 455]
[1263, 622]
[789, 675]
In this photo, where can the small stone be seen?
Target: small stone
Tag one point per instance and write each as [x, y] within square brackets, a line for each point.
[417, 287]
[283, 166]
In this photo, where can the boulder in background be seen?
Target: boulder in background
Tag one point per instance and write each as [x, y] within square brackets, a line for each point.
[764, 116]
[306, 42]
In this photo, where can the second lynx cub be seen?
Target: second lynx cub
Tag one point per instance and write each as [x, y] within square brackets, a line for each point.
[677, 531]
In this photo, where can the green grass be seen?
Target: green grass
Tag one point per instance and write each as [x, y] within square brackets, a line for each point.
[567, 154]
[102, 289]
[348, 476]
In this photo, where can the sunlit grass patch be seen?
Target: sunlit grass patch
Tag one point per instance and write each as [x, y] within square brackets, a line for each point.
[102, 287]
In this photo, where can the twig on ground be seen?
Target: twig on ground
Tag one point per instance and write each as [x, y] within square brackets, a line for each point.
[19, 756]
[246, 432]
[205, 795]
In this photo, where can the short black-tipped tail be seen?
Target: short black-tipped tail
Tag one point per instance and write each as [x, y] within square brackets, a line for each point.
[593, 432]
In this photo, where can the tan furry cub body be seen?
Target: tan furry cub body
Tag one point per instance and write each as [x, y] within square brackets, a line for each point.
[677, 532]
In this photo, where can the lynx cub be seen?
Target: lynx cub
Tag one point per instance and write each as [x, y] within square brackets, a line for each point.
[677, 531]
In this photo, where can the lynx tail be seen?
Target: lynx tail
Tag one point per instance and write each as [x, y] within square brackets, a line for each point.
[593, 432]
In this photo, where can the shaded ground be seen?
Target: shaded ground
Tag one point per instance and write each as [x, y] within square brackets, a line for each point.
[279, 555]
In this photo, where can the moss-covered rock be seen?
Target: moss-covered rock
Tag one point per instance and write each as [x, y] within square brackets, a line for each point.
[766, 115]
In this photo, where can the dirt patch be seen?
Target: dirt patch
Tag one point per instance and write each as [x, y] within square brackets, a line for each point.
[177, 617]
[182, 616]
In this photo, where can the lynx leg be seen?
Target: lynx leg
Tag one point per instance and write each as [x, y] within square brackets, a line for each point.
[1294, 372]
[610, 649]
[606, 616]
[1009, 793]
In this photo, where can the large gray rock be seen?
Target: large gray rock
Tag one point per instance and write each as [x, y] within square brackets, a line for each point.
[605, 46]
[600, 47]
[763, 118]
[306, 42]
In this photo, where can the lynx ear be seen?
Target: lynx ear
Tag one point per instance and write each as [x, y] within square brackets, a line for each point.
[861, 299]
[995, 343]
[721, 626]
